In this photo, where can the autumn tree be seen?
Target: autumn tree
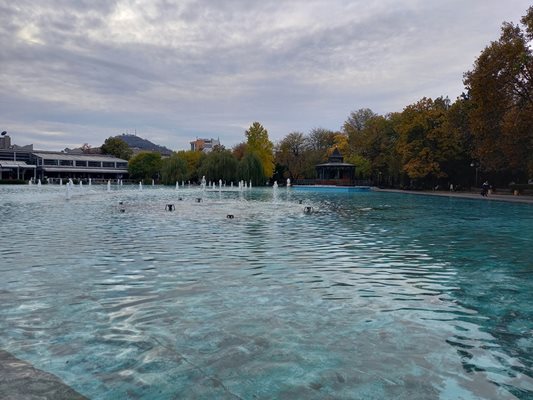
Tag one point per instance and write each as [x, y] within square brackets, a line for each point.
[116, 146]
[500, 87]
[258, 143]
[290, 153]
[425, 141]
[194, 160]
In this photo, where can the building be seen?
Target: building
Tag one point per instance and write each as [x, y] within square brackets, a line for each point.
[78, 166]
[24, 165]
[335, 171]
[205, 145]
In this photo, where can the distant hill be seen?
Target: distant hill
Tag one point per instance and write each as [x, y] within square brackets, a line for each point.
[140, 144]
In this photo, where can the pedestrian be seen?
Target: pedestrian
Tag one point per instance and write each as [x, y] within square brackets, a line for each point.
[485, 189]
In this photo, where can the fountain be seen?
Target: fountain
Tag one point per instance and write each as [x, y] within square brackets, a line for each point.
[153, 182]
[68, 191]
[109, 185]
[90, 182]
[140, 185]
[39, 183]
[250, 185]
[202, 183]
[60, 181]
[30, 182]
[275, 191]
[219, 185]
[177, 185]
[288, 182]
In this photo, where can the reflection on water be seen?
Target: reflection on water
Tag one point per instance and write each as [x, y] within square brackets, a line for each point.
[372, 295]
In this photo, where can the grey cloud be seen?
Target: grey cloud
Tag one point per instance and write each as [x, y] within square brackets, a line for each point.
[206, 67]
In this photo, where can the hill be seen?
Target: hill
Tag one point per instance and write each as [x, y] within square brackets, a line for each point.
[138, 143]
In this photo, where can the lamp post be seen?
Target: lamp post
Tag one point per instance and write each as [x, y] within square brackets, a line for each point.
[476, 165]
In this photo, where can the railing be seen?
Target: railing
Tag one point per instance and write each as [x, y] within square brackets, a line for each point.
[333, 182]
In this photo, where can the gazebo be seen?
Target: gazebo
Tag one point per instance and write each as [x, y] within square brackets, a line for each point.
[335, 171]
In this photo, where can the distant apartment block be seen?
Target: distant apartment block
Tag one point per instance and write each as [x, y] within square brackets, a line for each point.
[205, 145]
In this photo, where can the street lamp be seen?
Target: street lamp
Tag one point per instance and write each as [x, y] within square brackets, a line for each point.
[476, 165]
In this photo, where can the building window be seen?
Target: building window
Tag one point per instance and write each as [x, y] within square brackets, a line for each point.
[81, 163]
[65, 162]
[50, 162]
[108, 164]
[95, 164]
[122, 165]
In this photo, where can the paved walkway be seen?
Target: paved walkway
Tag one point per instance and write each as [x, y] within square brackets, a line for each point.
[465, 195]
[19, 380]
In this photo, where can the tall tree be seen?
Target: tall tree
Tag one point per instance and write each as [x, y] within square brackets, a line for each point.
[291, 154]
[117, 147]
[425, 140]
[258, 143]
[500, 88]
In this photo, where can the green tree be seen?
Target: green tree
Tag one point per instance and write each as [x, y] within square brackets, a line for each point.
[251, 168]
[173, 169]
[145, 166]
[258, 143]
[219, 164]
[117, 147]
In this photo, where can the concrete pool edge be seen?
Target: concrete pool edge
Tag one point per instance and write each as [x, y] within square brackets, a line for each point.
[20, 380]
[524, 199]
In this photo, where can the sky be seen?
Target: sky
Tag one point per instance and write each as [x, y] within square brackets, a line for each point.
[75, 72]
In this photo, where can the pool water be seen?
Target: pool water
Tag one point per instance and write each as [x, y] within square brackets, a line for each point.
[370, 296]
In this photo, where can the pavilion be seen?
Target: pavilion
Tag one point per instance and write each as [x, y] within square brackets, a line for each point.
[335, 171]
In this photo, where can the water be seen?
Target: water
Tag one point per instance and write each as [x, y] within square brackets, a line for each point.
[373, 295]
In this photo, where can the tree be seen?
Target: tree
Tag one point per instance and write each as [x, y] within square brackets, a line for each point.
[291, 154]
[173, 169]
[239, 150]
[500, 88]
[425, 141]
[86, 147]
[117, 147]
[219, 164]
[250, 168]
[145, 166]
[321, 139]
[194, 160]
[258, 143]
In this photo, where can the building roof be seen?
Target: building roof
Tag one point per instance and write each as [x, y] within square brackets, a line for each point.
[77, 157]
[94, 170]
[335, 164]
[15, 164]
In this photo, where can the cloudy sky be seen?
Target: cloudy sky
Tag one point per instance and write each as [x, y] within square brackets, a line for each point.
[80, 71]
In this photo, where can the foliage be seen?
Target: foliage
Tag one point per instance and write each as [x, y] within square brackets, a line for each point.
[258, 143]
[219, 164]
[145, 166]
[173, 169]
[117, 147]
[251, 168]
[193, 159]
[500, 88]
[290, 153]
